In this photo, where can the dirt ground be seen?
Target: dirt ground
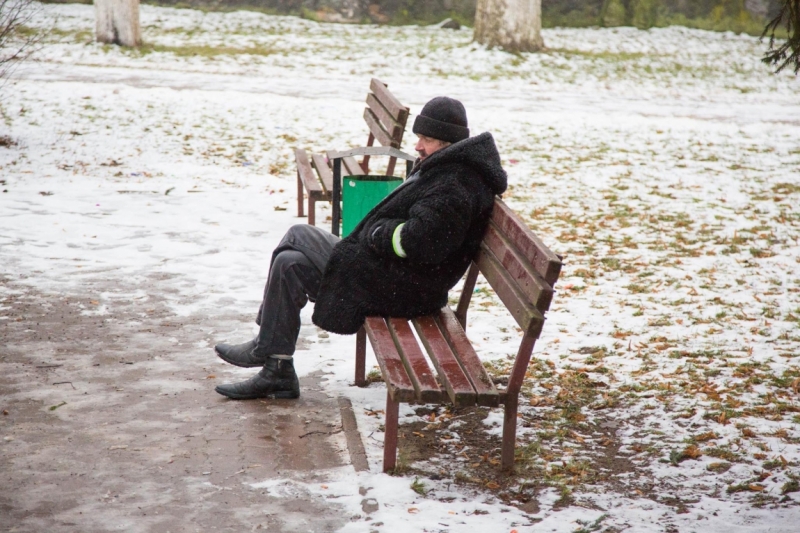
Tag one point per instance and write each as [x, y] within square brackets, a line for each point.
[111, 423]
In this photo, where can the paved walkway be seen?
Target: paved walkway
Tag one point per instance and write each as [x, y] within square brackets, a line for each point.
[112, 425]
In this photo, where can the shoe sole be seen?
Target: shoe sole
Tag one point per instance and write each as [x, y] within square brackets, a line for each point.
[239, 363]
[280, 395]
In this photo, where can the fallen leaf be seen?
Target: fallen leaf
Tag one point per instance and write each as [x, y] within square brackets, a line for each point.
[756, 488]
[492, 485]
[211, 376]
[413, 510]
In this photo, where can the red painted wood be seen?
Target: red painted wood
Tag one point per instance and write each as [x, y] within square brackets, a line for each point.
[466, 294]
[365, 160]
[417, 366]
[361, 358]
[324, 171]
[473, 367]
[388, 100]
[521, 364]
[305, 171]
[376, 128]
[390, 434]
[451, 375]
[299, 195]
[509, 432]
[394, 373]
[521, 271]
[352, 167]
[312, 212]
[520, 307]
[543, 259]
[387, 120]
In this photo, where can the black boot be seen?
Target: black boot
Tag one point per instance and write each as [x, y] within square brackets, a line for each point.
[241, 354]
[276, 380]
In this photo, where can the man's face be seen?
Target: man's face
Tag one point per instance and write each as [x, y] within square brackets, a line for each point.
[427, 145]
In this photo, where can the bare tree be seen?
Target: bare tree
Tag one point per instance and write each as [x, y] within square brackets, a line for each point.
[17, 40]
[788, 53]
[513, 25]
[117, 22]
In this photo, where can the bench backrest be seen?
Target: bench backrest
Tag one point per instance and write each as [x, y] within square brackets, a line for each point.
[520, 268]
[386, 119]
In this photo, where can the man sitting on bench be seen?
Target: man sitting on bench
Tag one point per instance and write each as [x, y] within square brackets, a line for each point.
[400, 261]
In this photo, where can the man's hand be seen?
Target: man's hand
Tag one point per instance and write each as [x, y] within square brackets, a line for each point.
[380, 237]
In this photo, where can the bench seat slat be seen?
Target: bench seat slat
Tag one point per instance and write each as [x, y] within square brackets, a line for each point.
[397, 381]
[543, 259]
[417, 367]
[306, 172]
[527, 316]
[352, 167]
[487, 394]
[528, 280]
[324, 171]
[452, 376]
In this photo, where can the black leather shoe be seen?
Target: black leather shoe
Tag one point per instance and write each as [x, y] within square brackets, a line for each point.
[241, 354]
[276, 380]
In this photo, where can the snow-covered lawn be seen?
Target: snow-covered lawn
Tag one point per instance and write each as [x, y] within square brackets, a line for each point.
[664, 165]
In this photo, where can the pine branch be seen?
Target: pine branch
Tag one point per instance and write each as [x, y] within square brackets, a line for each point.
[788, 52]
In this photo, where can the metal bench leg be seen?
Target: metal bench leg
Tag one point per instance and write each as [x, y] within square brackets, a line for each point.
[312, 219]
[509, 432]
[299, 195]
[361, 357]
[390, 438]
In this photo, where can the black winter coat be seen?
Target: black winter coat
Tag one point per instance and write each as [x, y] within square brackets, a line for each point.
[445, 211]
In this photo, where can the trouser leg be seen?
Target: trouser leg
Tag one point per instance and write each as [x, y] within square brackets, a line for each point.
[295, 275]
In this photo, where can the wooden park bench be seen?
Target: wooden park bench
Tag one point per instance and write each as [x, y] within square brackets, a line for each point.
[386, 119]
[522, 271]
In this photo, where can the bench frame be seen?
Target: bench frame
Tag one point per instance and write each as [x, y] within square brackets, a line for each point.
[522, 271]
[386, 119]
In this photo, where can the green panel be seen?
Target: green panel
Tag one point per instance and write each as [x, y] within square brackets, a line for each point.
[360, 194]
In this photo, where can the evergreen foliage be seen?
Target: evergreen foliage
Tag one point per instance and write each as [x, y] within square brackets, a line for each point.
[788, 53]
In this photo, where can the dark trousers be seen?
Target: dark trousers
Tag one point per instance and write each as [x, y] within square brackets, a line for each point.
[294, 277]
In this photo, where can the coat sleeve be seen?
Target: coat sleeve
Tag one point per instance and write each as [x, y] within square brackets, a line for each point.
[437, 225]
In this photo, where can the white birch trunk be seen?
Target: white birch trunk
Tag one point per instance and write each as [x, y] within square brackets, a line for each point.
[117, 22]
[513, 25]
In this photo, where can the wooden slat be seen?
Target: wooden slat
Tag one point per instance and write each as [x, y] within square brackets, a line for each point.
[324, 171]
[394, 128]
[451, 375]
[541, 257]
[473, 367]
[417, 367]
[394, 373]
[522, 272]
[377, 130]
[526, 315]
[388, 100]
[306, 172]
[352, 167]
[466, 294]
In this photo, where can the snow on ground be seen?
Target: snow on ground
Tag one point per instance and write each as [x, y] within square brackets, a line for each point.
[664, 165]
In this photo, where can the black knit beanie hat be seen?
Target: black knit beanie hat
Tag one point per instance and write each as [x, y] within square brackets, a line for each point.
[442, 118]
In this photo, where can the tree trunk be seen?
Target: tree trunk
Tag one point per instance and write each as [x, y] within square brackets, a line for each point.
[513, 25]
[117, 22]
